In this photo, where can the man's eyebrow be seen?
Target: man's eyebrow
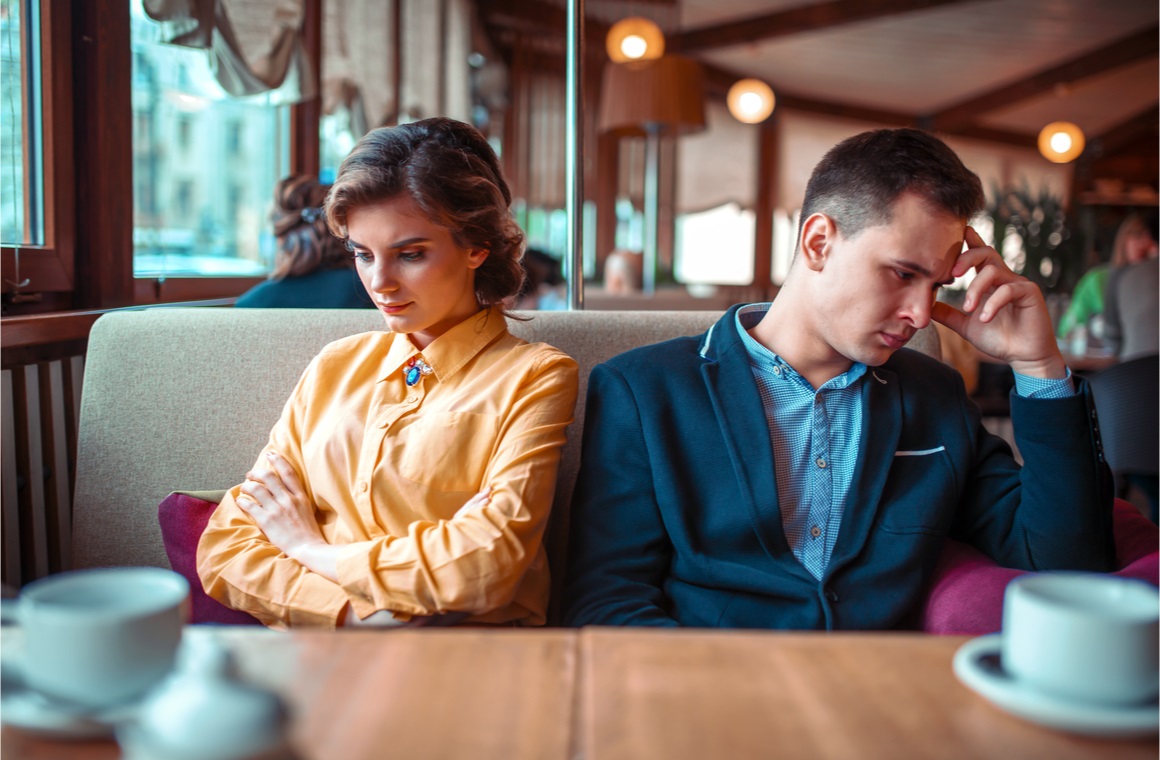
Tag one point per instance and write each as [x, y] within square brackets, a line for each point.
[912, 266]
[397, 244]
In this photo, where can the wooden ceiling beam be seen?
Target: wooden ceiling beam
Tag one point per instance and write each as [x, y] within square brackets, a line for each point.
[1122, 52]
[1126, 132]
[810, 18]
[538, 16]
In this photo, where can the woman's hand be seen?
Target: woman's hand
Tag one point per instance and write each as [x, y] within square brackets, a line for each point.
[276, 500]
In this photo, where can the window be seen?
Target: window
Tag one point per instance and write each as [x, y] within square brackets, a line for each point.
[199, 208]
[21, 169]
[716, 246]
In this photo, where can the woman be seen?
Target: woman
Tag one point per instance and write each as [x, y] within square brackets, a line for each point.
[312, 269]
[412, 471]
[1133, 244]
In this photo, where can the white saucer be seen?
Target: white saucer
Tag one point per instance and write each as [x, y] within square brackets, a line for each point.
[977, 665]
[31, 711]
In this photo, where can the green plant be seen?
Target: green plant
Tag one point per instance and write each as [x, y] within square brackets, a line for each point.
[1051, 256]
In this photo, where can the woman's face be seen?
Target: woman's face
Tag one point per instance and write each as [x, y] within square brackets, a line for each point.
[416, 274]
[1138, 245]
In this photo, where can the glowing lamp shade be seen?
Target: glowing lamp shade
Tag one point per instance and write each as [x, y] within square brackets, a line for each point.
[635, 39]
[1061, 142]
[750, 101]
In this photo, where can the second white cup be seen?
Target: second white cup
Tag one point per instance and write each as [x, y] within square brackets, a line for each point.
[1084, 637]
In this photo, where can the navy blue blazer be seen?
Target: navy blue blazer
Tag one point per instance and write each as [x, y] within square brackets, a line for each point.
[675, 518]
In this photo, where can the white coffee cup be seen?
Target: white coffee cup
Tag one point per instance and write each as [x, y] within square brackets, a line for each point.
[1084, 637]
[103, 637]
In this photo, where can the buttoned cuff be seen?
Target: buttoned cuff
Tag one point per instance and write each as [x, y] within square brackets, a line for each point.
[1039, 387]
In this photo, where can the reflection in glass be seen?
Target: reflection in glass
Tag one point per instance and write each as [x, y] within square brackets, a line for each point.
[21, 158]
[204, 163]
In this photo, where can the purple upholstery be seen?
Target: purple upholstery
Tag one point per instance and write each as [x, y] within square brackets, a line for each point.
[966, 594]
[183, 518]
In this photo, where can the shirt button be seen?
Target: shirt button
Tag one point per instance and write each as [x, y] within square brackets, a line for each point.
[412, 399]
[776, 370]
[362, 487]
[820, 463]
[815, 531]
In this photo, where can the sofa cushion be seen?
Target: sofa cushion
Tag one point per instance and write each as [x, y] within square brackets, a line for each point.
[183, 516]
[966, 594]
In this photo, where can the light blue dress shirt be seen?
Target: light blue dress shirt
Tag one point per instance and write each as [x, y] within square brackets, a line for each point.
[815, 435]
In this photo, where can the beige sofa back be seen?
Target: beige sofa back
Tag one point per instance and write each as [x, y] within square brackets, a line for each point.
[183, 399]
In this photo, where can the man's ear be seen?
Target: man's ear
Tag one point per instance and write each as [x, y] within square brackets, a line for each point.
[818, 234]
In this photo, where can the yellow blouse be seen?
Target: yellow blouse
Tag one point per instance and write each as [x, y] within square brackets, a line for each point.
[388, 467]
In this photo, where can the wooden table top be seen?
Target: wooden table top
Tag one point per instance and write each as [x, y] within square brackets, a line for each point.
[606, 694]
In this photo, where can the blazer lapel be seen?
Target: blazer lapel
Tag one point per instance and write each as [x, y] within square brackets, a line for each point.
[881, 428]
[741, 418]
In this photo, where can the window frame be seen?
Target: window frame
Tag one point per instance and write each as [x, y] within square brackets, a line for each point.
[51, 265]
[88, 181]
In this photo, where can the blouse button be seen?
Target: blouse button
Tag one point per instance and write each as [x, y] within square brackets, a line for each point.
[362, 487]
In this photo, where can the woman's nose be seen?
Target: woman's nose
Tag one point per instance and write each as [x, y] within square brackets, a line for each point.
[383, 277]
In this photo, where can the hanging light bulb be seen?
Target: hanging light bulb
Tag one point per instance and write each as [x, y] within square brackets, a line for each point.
[1061, 142]
[751, 101]
[635, 39]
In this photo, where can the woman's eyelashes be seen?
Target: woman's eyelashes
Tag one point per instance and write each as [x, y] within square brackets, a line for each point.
[366, 256]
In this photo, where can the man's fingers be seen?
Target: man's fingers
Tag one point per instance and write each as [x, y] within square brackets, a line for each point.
[1003, 295]
[974, 239]
[950, 316]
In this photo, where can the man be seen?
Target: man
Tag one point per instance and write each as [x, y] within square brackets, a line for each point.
[792, 468]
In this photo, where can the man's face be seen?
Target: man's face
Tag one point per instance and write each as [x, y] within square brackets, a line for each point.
[876, 290]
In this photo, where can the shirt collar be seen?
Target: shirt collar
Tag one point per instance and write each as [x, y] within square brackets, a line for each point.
[448, 353]
[760, 356]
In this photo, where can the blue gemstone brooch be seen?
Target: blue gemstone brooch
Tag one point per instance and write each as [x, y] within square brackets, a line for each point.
[415, 370]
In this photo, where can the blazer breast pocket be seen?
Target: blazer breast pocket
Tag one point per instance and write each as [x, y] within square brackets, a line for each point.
[448, 451]
[920, 493]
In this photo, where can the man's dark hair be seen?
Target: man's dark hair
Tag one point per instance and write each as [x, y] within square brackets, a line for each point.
[859, 180]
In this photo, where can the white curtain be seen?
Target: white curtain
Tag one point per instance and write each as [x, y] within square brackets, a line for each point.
[254, 45]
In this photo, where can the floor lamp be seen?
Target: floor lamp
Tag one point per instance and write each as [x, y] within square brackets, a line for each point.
[651, 99]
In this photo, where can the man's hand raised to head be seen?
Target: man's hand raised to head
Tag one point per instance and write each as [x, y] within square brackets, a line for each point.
[1004, 315]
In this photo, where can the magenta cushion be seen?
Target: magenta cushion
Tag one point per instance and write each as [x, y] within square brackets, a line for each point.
[183, 519]
[966, 594]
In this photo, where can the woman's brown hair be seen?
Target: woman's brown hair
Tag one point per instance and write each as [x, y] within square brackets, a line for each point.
[304, 241]
[448, 169]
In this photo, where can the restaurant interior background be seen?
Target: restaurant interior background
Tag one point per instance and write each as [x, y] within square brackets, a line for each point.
[141, 141]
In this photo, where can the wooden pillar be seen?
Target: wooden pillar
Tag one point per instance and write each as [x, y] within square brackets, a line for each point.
[607, 179]
[305, 151]
[768, 165]
[104, 153]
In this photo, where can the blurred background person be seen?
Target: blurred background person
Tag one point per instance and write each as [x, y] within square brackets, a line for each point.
[312, 268]
[1134, 242]
[1132, 313]
[623, 272]
[543, 287]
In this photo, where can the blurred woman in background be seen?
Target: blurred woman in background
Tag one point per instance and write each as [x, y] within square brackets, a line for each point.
[312, 269]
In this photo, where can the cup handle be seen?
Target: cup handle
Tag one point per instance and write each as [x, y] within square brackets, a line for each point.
[9, 612]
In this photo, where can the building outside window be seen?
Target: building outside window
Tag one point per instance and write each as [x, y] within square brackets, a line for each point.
[204, 163]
